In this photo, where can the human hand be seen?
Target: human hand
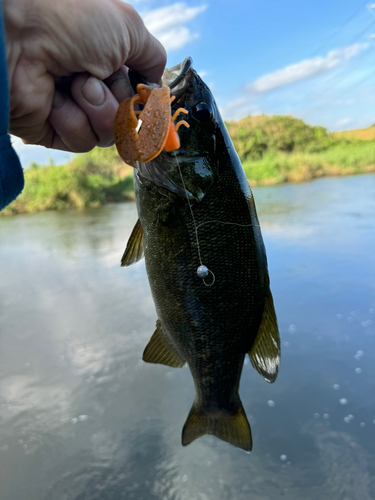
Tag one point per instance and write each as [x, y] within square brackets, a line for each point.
[84, 42]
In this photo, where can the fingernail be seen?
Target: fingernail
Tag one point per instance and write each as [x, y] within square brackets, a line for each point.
[93, 91]
[58, 99]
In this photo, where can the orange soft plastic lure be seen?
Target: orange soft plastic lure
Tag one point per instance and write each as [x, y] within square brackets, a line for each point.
[157, 130]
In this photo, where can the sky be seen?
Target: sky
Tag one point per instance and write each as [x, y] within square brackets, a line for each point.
[313, 60]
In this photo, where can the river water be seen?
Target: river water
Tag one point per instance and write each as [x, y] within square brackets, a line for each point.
[83, 418]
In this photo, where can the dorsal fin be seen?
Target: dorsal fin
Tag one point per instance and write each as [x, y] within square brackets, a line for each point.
[135, 247]
[265, 352]
[159, 350]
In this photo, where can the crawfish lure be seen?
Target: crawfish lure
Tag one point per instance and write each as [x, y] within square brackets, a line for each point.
[142, 135]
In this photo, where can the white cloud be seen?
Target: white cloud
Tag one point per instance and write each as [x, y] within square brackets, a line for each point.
[176, 38]
[306, 69]
[344, 121]
[263, 87]
[167, 17]
[167, 24]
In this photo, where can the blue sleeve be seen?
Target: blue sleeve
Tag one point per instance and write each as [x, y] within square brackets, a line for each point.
[11, 173]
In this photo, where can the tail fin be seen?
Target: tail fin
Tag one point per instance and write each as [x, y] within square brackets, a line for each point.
[233, 428]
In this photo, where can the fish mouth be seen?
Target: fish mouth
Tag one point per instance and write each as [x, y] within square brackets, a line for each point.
[176, 78]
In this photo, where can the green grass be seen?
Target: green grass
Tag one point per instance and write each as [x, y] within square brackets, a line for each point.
[92, 179]
[276, 167]
[273, 149]
[253, 136]
[363, 134]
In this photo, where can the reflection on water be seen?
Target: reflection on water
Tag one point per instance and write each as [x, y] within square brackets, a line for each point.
[82, 417]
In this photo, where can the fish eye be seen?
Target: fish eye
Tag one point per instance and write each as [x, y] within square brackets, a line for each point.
[202, 112]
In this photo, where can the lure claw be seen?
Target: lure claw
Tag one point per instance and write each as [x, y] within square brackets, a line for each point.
[157, 130]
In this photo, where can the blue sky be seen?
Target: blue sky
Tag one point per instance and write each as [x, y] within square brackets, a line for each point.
[313, 60]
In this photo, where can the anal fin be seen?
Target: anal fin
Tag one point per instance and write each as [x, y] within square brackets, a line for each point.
[135, 247]
[159, 350]
[232, 428]
[265, 352]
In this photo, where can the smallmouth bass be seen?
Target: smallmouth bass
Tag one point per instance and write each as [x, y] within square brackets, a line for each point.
[196, 209]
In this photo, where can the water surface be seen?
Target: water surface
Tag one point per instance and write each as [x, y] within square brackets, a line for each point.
[82, 417]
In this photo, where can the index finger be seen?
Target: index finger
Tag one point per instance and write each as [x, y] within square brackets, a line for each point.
[146, 55]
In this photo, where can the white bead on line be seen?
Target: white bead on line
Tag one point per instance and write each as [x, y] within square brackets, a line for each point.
[202, 271]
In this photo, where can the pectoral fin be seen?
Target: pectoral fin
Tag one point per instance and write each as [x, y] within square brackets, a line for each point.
[234, 429]
[265, 353]
[159, 350]
[135, 248]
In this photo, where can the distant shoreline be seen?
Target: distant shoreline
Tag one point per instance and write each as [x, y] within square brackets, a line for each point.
[129, 195]
[273, 150]
[300, 176]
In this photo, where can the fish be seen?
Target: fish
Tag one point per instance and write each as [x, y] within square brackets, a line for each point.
[199, 233]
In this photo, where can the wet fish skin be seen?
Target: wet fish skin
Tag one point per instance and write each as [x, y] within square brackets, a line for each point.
[209, 327]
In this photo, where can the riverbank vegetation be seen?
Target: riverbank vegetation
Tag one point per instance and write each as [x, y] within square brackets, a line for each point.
[273, 149]
[90, 180]
[276, 149]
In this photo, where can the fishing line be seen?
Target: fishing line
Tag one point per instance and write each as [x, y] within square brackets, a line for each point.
[203, 270]
[229, 223]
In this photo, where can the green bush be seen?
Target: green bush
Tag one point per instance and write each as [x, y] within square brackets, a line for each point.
[273, 149]
[90, 180]
[340, 159]
[253, 136]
